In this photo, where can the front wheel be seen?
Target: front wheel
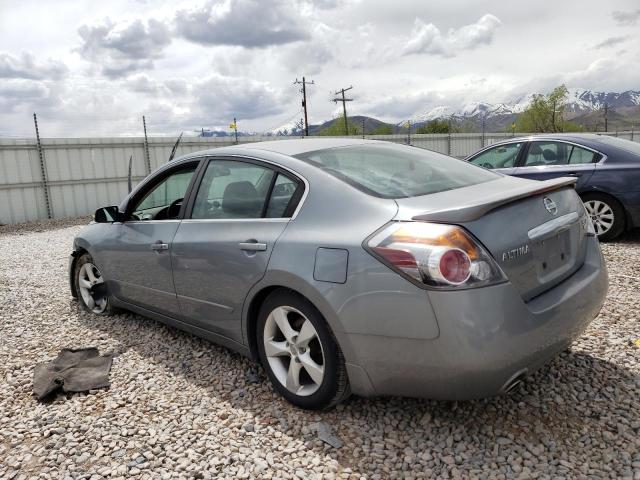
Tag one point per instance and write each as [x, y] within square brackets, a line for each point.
[91, 288]
[300, 354]
[607, 215]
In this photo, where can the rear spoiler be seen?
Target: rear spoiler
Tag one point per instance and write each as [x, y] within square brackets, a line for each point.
[473, 210]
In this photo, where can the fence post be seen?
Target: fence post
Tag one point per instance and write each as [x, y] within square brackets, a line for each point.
[146, 146]
[43, 169]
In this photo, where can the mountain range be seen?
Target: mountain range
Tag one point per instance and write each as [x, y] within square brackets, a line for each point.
[584, 107]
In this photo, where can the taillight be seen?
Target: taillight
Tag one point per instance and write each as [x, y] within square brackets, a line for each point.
[435, 255]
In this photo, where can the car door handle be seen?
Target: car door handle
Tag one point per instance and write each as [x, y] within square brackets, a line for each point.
[158, 246]
[253, 246]
[574, 174]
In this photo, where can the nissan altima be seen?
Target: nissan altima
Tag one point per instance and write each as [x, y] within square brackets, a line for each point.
[352, 266]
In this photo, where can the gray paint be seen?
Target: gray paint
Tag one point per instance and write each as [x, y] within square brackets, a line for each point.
[396, 337]
[331, 265]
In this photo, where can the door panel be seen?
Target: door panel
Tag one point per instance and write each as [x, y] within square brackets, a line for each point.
[213, 272]
[140, 264]
[140, 249]
[223, 250]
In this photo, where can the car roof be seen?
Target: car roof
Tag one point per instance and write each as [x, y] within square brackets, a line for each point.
[587, 139]
[288, 147]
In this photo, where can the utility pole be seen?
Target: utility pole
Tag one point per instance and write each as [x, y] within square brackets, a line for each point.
[363, 129]
[606, 117]
[483, 130]
[344, 106]
[408, 132]
[304, 101]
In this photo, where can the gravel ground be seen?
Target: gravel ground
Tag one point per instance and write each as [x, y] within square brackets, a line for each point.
[181, 407]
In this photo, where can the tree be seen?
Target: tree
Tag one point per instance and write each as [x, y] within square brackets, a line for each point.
[546, 113]
[384, 129]
[337, 128]
[435, 126]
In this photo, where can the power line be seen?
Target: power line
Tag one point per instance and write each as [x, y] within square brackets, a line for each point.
[344, 106]
[303, 90]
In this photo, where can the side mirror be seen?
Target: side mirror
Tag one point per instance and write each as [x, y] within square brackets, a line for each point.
[107, 215]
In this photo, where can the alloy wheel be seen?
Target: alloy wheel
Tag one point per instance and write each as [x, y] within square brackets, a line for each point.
[294, 351]
[601, 215]
[89, 280]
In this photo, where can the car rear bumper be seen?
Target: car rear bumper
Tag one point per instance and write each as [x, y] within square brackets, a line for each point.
[489, 338]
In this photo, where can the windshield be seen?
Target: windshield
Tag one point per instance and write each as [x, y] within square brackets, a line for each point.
[621, 143]
[396, 171]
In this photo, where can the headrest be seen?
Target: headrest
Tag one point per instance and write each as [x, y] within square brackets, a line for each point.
[241, 198]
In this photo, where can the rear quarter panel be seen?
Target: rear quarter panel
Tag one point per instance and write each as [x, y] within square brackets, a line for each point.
[620, 179]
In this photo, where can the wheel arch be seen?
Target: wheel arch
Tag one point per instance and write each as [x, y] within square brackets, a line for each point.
[299, 286]
[77, 253]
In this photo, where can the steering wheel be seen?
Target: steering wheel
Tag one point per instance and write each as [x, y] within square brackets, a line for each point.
[174, 208]
[487, 165]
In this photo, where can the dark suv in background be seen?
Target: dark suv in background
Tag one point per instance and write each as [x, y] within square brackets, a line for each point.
[607, 170]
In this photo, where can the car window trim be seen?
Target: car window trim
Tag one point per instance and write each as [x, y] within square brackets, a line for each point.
[154, 182]
[275, 167]
[521, 161]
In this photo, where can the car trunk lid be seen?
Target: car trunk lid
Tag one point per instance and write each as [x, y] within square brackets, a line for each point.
[534, 230]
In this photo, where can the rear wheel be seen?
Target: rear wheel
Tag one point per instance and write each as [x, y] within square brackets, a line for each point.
[298, 351]
[606, 214]
[91, 288]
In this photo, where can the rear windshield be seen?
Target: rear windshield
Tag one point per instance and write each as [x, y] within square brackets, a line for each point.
[396, 171]
[621, 143]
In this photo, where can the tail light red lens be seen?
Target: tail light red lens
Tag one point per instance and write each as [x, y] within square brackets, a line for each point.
[435, 255]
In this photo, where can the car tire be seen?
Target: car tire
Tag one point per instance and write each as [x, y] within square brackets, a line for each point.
[301, 357]
[91, 288]
[606, 214]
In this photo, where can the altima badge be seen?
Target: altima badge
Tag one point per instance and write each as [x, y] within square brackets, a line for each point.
[550, 205]
[515, 253]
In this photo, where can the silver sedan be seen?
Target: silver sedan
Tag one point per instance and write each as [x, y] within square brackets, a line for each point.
[352, 266]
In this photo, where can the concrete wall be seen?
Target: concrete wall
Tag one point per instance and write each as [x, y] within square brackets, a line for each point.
[83, 174]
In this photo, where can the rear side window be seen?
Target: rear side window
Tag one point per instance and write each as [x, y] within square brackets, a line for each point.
[396, 171]
[282, 194]
[543, 154]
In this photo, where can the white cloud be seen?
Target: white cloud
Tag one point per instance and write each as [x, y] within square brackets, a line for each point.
[247, 23]
[18, 93]
[426, 38]
[123, 48]
[626, 18]
[25, 65]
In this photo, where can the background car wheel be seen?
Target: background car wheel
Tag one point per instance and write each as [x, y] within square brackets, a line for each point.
[91, 288]
[299, 352]
[606, 214]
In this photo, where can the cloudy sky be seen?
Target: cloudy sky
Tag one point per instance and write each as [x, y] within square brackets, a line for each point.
[93, 68]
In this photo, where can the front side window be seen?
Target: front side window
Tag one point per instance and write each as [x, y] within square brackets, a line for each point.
[164, 200]
[232, 189]
[396, 171]
[502, 156]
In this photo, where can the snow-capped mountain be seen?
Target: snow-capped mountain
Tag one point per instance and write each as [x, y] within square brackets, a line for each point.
[290, 128]
[579, 101]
